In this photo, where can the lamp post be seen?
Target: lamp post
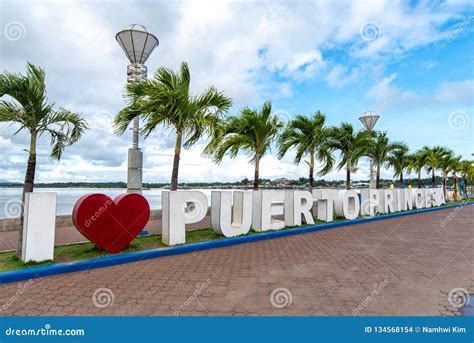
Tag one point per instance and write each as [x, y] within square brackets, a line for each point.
[137, 44]
[368, 119]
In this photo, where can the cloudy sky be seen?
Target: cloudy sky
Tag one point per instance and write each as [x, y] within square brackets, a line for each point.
[411, 62]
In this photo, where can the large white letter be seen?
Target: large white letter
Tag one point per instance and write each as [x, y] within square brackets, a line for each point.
[338, 203]
[178, 209]
[389, 200]
[418, 198]
[429, 197]
[371, 202]
[265, 205]
[325, 206]
[39, 226]
[408, 198]
[347, 204]
[401, 204]
[297, 204]
[231, 219]
[438, 197]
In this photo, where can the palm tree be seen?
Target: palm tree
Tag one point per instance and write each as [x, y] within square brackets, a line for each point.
[417, 163]
[432, 158]
[446, 164]
[399, 159]
[166, 100]
[467, 172]
[310, 138]
[379, 149]
[251, 132]
[31, 111]
[352, 146]
[455, 167]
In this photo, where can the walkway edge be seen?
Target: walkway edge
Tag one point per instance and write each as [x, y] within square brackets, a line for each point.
[113, 260]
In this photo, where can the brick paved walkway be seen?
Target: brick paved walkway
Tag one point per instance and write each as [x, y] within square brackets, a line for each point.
[412, 262]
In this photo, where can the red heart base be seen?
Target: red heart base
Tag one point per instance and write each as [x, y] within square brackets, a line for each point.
[111, 224]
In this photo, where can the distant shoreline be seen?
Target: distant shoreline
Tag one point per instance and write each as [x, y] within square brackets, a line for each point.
[244, 184]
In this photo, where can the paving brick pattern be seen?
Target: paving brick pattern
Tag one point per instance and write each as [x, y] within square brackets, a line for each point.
[399, 266]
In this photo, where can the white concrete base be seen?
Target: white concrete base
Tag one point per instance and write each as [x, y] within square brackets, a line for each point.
[39, 226]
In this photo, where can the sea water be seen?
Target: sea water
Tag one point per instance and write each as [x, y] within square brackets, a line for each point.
[10, 198]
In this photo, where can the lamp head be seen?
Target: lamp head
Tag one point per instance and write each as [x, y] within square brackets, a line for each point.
[368, 119]
[137, 43]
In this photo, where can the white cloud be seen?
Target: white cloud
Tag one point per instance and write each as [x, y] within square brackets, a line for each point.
[340, 75]
[389, 96]
[455, 92]
[386, 95]
[304, 66]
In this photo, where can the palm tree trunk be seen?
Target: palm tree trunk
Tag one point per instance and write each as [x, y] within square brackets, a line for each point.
[177, 152]
[256, 175]
[419, 179]
[401, 179]
[377, 177]
[27, 188]
[444, 186]
[433, 178]
[455, 187]
[311, 173]
[348, 175]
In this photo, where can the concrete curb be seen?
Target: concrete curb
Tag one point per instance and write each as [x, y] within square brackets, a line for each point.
[114, 260]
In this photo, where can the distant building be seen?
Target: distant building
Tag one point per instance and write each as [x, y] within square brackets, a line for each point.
[359, 184]
[282, 182]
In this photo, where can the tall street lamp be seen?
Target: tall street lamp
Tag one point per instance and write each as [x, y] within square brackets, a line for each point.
[369, 119]
[137, 44]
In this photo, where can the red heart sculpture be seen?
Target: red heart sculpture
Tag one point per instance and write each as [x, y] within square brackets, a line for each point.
[111, 224]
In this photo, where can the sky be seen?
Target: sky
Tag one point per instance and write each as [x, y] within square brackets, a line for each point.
[412, 62]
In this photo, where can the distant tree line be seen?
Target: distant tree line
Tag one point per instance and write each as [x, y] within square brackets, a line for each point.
[302, 181]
